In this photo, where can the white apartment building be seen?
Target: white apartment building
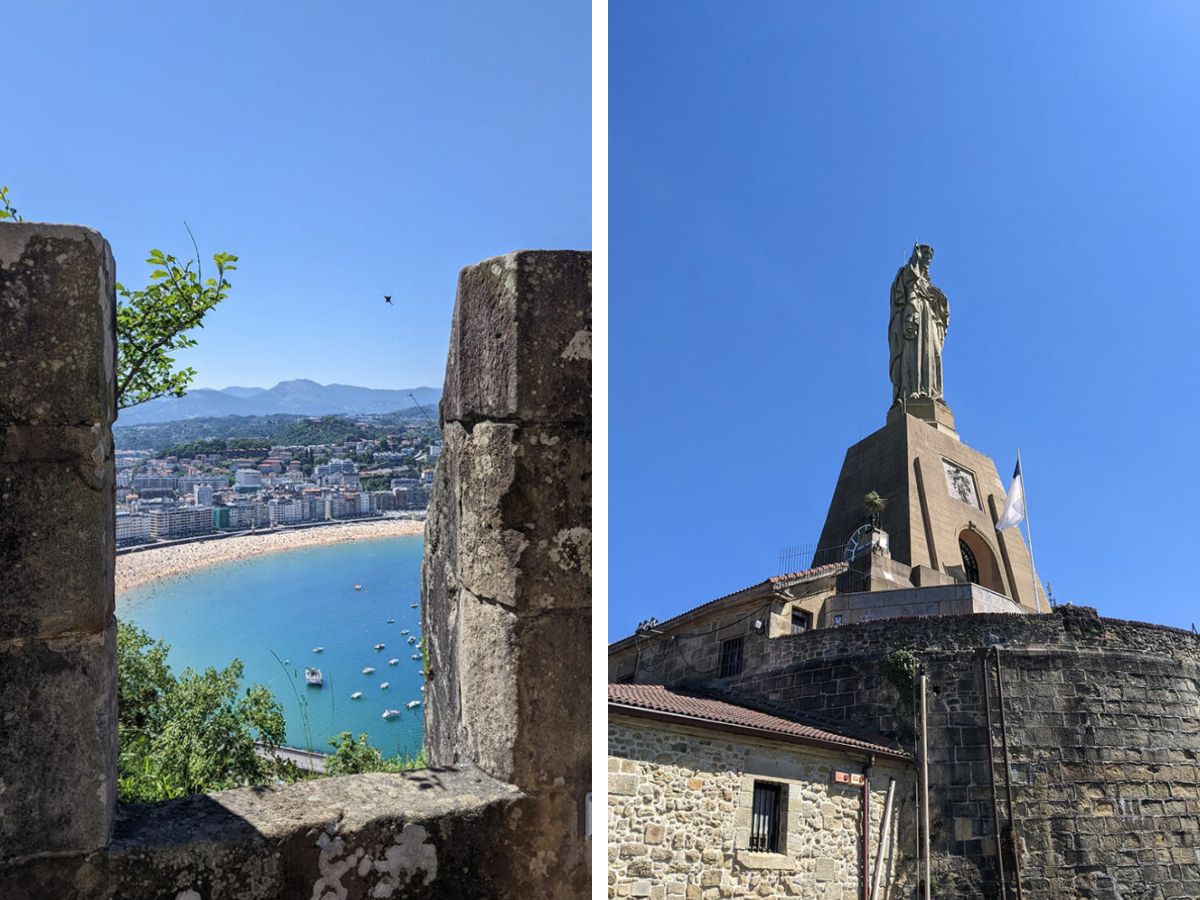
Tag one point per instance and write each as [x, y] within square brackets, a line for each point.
[132, 528]
[181, 521]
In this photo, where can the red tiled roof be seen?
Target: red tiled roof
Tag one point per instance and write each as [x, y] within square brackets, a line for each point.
[776, 581]
[704, 707]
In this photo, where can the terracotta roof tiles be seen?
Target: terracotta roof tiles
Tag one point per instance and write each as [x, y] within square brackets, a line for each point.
[706, 707]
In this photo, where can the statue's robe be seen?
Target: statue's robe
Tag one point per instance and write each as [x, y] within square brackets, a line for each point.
[916, 334]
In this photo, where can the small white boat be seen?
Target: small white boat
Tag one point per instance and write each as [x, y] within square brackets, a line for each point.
[286, 661]
[404, 631]
[413, 605]
[390, 713]
[368, 670]
[358, 587]
[392, 662]
[312, 677]
[357, 695]
[378, 647]
[383, 685]
[318, 649]
[391, 621]
[422, 689]
[412, 639]
[416, 656]
[413, 704]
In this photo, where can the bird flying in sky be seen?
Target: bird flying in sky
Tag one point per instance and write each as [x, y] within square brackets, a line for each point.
[387, 298]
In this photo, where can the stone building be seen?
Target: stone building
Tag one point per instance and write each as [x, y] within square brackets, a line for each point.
[1063, 749]
[709, 797]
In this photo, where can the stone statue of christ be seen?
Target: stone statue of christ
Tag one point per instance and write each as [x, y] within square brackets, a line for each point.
[920, 316]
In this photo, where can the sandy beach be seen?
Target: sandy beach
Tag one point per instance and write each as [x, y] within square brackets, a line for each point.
[159, 563]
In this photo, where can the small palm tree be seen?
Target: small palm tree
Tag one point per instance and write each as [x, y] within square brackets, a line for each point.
[874, 505]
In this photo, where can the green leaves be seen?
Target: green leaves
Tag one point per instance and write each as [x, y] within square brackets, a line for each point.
[9, 211]
[192, 733]
[153, 324]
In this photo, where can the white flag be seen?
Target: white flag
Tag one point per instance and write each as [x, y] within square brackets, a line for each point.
[1014, 506]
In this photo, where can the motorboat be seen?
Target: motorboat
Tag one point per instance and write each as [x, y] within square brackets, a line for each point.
[368, 670]
[404, 631]
[413, 606]
[318, 649]
[412, 638]
[390, 713]
[357, 695]
[391, 621]
[358, 587]
[378, 647]
[413, 704]
[416, 656]
[312, 677]
[392, 662]
[383, 685]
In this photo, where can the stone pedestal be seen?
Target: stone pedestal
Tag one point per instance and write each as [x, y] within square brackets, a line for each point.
[942, 495]
[506, 580]
[58, 732]
[934, 413]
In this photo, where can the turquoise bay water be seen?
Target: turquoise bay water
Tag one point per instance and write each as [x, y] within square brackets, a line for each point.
[290, 602]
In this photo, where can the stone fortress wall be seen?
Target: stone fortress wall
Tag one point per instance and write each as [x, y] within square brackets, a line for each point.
[499, 813]
[1103, 721]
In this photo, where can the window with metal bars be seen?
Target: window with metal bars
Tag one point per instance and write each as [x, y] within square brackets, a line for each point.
[731, 657]
[766, 817]
[801, 621]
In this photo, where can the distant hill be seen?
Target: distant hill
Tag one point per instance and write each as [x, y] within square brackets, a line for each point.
[299, 397]
[273, 429]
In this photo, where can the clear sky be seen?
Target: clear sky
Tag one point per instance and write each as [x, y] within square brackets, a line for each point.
[343, 151]
[771, 166]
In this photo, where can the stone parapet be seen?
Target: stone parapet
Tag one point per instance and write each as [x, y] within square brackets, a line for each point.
[423, 834]
[507, 569]
[57, 652]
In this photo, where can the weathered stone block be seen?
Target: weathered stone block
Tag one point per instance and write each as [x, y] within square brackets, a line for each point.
[58, 743]
[520, 343]
[57, 325]
[56, 532]
[522, 497]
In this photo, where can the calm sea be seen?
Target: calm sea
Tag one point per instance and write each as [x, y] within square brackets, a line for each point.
[289, 603]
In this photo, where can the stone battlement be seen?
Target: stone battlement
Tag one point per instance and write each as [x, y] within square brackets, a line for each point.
[500, 814]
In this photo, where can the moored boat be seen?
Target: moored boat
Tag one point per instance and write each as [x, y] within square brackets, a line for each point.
[312, 677]
[357, 695]
[378, 647]
[390, 713]
[383, 685]
[368, 670]
[318, 649]
[413, 704]
[392, 662]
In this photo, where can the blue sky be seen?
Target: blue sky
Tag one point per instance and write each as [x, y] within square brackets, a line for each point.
[771, 165]
[343, 151]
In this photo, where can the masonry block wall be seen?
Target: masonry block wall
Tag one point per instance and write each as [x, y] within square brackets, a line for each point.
[679, 808]
[1103, 724]
[57, 653]
[507, 570]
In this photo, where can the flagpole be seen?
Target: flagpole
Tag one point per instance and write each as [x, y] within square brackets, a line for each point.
[1037, 603]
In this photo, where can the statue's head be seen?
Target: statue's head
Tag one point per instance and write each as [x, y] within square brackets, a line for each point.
[922, 255]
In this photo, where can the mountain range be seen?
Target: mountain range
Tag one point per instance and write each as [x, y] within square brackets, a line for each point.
[299, 397]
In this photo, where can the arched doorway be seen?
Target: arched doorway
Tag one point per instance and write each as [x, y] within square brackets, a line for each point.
[979, 562]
